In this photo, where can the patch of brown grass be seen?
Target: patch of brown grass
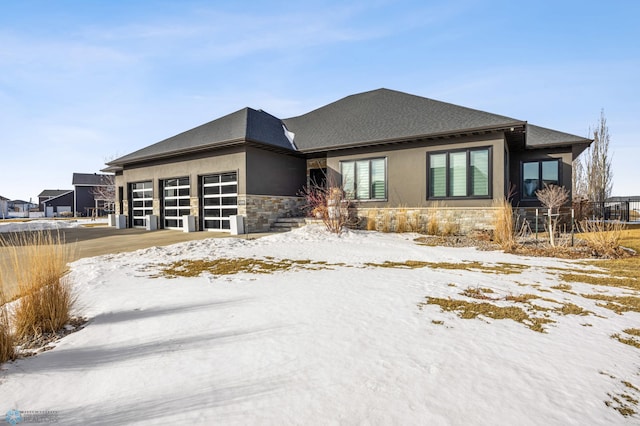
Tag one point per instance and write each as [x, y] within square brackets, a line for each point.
[471, 310]
[230, 266]
[618, 304]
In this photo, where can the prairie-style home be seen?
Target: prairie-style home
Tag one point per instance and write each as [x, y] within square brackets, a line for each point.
[387, 149]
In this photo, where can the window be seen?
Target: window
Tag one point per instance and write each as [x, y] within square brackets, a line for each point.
[535, 174]
[463, 173]
[365, 179]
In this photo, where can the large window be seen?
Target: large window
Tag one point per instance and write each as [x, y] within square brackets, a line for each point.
[462, 173]
[365, 179]
[535, 174]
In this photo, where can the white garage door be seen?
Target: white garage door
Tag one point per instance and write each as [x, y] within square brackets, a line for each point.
[175, 202]
[219, 200]
[141, 202]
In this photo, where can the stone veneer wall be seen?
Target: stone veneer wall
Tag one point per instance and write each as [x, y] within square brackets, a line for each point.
[261, 211]
[460, 220]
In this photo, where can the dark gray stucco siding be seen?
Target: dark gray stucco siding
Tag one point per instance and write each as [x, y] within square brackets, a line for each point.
[565, 156]
[407, 169]
[192, 166]
[272, 173]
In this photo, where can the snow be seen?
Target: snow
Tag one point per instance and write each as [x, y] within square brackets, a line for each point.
[46, 224]
[335, 345]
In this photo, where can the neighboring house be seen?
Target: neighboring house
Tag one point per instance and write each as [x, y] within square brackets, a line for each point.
[387, 149]
[48, 194]
[4, 207]
[90, 191]
[56, 205]
[21, 206]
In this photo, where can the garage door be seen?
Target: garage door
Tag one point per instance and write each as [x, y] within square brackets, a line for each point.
[175, 202]
[141, 202]
[219, 200]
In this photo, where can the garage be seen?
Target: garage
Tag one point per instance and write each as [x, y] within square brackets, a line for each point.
[175, 202]
[141, 203]
[219, 200]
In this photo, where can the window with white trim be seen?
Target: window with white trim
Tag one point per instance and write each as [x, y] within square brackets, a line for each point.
[365, 179]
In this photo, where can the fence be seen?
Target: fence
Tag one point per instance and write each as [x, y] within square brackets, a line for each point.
[622, 210]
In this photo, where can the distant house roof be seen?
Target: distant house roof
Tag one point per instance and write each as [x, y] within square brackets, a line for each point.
[90, 179]
[53, 193]
[3, 198]
[618, 199]
[377, 116]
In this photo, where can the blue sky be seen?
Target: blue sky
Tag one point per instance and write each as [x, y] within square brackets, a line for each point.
[82, 82]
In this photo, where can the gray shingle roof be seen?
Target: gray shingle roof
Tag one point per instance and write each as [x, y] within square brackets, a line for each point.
[53, 192]
[384, 115]
[376, 116]
[538, 137]
[246, 124]
[89, 179]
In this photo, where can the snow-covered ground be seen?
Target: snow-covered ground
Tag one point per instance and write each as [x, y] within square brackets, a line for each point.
[46, 224]
[340, 342]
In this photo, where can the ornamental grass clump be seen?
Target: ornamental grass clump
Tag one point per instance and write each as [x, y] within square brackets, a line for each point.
[38, 262]
[7, 341]
[504, 233]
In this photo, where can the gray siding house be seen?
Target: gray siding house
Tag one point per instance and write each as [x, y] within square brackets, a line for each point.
[387, 149]
[87, 195]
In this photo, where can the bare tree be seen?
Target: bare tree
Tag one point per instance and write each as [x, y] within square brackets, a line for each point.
[598, 174]
[553, 197]
[579, 181]
[105, 193]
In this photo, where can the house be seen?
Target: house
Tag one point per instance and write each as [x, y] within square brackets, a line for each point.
[92, 193]
[4, 207]
[387, 149]
[56, 202]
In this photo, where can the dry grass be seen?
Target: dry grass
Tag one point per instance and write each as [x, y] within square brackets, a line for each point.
[371, 220]
[470, 310]
[386, 222]
[38, 261]
[603, 238]
[504, 233]
[450, 228]
[402, 221]
[7, 341]
[618, 304]
[230, 266]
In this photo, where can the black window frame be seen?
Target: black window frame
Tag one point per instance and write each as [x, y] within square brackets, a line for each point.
[469, 186]
[371, 189]
[558, 161]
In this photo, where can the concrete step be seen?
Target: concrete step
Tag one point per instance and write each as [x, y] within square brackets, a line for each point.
[285, 224]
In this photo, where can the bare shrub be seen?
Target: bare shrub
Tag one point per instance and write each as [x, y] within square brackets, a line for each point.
[328, 204]
[602, 237]
[553, 197]
[39, 263]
